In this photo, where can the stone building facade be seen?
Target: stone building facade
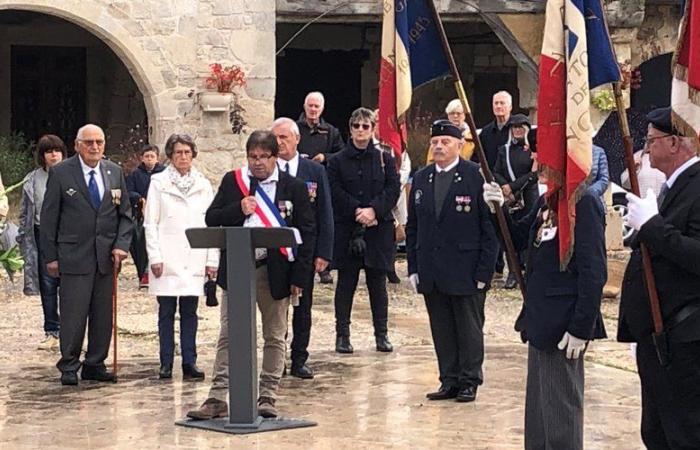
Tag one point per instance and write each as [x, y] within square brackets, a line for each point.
[145, 60]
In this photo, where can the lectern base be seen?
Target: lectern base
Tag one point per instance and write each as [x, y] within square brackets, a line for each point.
[223, 426]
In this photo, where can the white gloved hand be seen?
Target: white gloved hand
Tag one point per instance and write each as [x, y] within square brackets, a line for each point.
[573, 345]
[480, 285]
[640, 210]
[493, 193]
[413, 279]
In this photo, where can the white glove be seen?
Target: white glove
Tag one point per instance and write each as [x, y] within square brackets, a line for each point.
[573, 345]
[639, 210]
[493, 193]
[413, 279]
[480, 285]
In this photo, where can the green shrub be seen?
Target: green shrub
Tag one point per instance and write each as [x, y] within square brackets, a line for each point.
[16, 159]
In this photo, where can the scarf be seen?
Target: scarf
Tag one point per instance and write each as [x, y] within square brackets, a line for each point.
[182, 182]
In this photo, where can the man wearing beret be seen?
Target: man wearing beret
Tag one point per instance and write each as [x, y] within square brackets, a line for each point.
[669, 364]
[451, 246]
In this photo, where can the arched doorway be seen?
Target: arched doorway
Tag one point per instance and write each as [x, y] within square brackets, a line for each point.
[60, 76]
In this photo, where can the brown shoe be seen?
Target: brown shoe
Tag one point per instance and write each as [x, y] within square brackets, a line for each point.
[266, 407]
[210, 409]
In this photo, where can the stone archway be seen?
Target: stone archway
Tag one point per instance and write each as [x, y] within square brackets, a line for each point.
[118, 33]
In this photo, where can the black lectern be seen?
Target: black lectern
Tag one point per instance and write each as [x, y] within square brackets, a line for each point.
[240, 244]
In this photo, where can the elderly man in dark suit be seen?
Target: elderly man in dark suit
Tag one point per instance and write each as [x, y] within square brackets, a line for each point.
[561, 316]
[314, 175]
[280, 273]
[670, 228]
[86, 229]
[451, 246]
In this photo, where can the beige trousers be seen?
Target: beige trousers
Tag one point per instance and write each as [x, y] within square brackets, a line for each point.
[274, 327]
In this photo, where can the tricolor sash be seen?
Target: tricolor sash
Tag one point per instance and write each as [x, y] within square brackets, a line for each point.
[266, 212]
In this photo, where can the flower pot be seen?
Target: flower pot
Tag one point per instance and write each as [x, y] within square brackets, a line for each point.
[215, 101]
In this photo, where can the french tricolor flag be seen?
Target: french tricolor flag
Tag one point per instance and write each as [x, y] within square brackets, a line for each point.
[412, 55]
[577, 56]
[685, 92]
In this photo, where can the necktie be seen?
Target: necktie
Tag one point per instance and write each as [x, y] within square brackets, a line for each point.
[94, 191]
[662, 194]
[286, 168]
[442, 185]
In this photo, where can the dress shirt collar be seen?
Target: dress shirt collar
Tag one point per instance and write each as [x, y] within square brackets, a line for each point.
[672, 179]
[274, 178]
[451, 166]
[293, 164]
[87, 169]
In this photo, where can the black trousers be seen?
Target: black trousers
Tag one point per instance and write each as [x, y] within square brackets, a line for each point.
[670, 396]
[138, 249]
[345, 292]
[301, 325]
[457, 323]
[85, 298]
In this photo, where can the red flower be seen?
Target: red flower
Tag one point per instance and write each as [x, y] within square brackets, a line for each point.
[224, 79]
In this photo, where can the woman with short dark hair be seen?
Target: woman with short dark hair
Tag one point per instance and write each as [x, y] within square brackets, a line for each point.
[178, 198]
[50, 150]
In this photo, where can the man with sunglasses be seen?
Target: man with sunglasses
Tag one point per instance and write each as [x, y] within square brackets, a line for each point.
[668, 365]
[86, 228]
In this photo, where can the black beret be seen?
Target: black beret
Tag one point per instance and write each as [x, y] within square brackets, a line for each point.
[445, 128]
[660, 118]
[518, 119]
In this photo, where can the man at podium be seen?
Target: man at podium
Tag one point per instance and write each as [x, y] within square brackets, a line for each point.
[260, 195]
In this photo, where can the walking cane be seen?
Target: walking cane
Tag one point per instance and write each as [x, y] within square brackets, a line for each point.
[115, 284]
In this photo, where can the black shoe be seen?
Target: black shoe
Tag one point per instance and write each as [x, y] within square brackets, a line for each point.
[192, 372]
[383, 344]
[302, 371]
[468, 394]
[326, 277]
[97, 374]
[444, 393]
[511, 282]
[393, 278]
[166, 371]
[69, 378]
[343, 345]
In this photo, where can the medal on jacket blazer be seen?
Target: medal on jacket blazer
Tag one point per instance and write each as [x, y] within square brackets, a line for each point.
[463, 203]
[116, 196]
[285, 207]
[312, 187]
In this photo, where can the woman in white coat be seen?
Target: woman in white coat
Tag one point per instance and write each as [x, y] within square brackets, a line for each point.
[178, 197]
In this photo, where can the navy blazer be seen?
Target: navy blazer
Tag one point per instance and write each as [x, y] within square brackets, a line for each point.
[314, 175]
[673, 239]
[570, 300]
[225, 211]
[451, 253]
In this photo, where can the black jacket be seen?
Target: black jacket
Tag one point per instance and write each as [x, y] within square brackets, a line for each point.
[225, 211]
[314, 175]
[138, 181]
[73, 232]
[323, 138]
[358, 180]
[450, 253]
[565, 301]
[673, 239]
[491, 138]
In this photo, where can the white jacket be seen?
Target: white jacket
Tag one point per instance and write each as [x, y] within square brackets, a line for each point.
[168, 214]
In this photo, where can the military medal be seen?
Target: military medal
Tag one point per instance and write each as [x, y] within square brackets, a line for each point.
[312, 187]
[116, 196]
[463, 203]
[281, 205]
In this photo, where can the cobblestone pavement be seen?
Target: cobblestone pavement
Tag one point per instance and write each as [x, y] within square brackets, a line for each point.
[362, 400]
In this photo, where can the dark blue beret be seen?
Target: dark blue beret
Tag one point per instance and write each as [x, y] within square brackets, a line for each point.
[445, 128]
[660, 119]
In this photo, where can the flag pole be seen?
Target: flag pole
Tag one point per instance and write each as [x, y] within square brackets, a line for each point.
[513, 261]
[649, 279]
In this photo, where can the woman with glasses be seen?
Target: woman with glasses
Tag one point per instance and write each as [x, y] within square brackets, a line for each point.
[178, 198]
[364, 187]
[455, 114]
[50, 150]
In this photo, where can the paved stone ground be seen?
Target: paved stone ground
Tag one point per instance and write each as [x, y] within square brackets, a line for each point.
[359, 401]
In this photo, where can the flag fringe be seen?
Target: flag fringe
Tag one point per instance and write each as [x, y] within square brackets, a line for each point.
[681, 34]
[682, 126]
[573, 200]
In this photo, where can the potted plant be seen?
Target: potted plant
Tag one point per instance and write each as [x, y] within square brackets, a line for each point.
[221, 82]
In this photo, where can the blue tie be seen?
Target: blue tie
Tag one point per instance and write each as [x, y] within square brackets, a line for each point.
[94, 191]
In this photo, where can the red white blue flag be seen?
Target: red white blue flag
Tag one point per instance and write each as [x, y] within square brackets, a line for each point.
[412, 55]
[685, 92]
[577, 56]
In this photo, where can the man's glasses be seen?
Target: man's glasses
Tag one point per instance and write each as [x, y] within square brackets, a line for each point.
[648, 140]
[91, 142]
[364, 126]
[263, 158]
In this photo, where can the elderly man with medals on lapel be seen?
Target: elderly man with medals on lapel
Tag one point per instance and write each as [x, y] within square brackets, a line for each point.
[451, 248]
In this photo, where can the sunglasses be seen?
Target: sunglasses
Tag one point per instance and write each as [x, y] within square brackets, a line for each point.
[91, 142]
[364, 126]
